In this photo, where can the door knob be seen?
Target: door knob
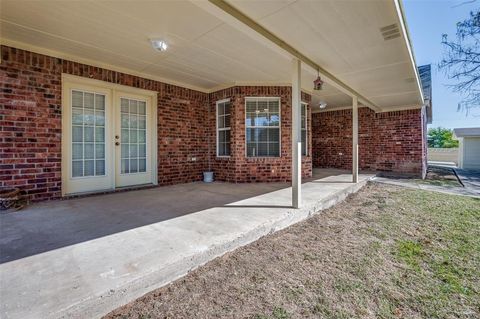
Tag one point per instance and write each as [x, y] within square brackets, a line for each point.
[117, 137]
[117, 143]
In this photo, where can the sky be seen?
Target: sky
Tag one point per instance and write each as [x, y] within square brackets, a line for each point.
[427, 21]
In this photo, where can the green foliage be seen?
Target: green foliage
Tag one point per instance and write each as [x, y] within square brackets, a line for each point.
[441, 137]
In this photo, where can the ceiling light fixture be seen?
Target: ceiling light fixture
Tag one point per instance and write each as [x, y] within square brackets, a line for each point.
[322, 104]
[159, 45]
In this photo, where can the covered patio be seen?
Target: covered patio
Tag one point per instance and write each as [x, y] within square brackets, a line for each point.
[101, 97]
[84, 257]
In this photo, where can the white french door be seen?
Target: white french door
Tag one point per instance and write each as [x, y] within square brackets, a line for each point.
[108, 136]
[132, 142]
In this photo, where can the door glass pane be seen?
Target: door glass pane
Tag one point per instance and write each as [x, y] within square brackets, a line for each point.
[88, 134]
[133, 136]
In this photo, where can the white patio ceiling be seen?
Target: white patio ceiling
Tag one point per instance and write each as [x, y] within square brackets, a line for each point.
[207, 49]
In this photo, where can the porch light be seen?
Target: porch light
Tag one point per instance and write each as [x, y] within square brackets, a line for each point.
[322, 104]
[159, 45]
[318, 83]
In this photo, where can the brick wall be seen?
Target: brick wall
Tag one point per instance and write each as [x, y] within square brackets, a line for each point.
[30, 122]
[389, 142]
[30, 126]
[238, 167]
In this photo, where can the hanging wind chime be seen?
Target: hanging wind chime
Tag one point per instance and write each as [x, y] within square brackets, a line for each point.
[318, 83]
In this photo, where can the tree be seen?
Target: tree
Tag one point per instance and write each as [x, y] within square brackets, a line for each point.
[461, 61]
[441, 137]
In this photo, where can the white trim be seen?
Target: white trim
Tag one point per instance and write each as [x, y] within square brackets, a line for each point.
[217, 129]
[265, 98]
[406, 36]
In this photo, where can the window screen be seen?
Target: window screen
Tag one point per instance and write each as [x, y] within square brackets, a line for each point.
[263, 127]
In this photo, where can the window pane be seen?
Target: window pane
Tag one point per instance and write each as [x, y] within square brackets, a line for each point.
[221, 109]
[88, 134]
[99, 102]
[142, 108]
[125, 151]
[221, 122]
[261, 119]
[262, 149]
[77, 151]
[133, 121]
[133, 136]
[142, 165]
[77, 134]
[133, 106]
[125, 136]
[133, 165]
[251, 106]
[100, 167]
[261, 134]
[142, 122]
[89, 117]
[77, 99]
[77, 168]
[142, 136]
[89, 151]
[99, 150]
[125, 166]
[99, 118]
[142, 150]
[227, 108]
[273, 106]
[133, 151]
[274, 120]
[100, 134]
[89, 100]
[88, 168]
[124, 105]
[227, 120]
[273, 135]
[77, 116]
[273, 149]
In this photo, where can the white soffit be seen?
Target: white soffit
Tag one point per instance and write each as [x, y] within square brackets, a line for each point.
[206, 53]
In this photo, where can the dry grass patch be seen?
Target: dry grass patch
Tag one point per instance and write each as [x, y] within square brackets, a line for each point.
[386, 252]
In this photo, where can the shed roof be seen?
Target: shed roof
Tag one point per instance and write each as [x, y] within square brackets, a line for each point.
[465, 132]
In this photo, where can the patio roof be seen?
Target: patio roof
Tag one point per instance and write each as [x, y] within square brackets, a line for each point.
[363, 44]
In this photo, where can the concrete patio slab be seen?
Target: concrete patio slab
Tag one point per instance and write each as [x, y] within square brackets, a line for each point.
[81, 258]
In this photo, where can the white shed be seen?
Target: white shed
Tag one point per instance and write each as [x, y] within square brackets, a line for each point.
[469, 148]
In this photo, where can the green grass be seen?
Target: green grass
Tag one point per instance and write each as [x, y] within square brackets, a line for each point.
[438, 240]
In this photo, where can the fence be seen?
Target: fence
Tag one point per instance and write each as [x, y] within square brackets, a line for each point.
[443, 155]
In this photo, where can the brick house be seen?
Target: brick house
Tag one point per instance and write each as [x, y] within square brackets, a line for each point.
[87, 105]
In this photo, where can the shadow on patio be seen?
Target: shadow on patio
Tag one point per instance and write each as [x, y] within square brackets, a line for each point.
[51, 225]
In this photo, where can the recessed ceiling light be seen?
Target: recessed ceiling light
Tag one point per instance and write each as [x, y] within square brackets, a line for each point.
[159, 44]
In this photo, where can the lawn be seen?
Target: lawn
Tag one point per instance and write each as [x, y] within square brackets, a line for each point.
[386, 252]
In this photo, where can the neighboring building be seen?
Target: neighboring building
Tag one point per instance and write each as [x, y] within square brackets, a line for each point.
[469, 147]
[86, 104]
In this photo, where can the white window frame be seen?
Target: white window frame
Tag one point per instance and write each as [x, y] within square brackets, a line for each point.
[265, 98]
[224, 128]
[305, 105]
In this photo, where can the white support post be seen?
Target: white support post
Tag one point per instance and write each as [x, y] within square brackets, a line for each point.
[296, 135]
[355, 139]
